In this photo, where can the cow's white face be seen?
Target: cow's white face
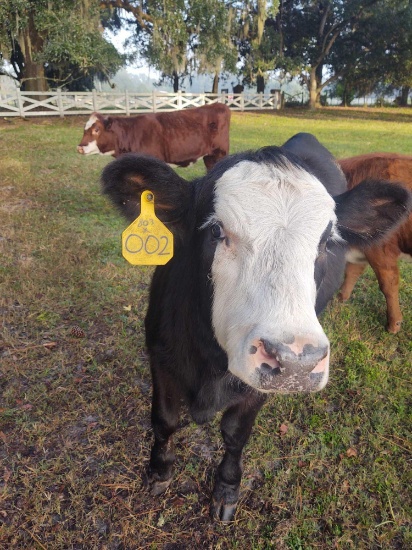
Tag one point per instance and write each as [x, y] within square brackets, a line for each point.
[91, 148]
[93, 132]
[268, 222]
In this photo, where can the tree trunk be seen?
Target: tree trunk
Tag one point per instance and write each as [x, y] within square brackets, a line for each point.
[404, 96]
[313, 90]
[175, 78]
[260, 84]
[347, 96]
[34, 79]
[32, 76]
[215, 87]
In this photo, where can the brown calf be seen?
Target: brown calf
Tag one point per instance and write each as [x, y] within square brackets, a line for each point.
[179, 137]
[383, 258]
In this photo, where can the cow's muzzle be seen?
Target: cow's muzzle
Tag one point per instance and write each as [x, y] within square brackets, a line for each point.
[80, 149]
[289, 367]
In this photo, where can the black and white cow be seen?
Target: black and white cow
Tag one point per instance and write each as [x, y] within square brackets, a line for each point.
[259, 251]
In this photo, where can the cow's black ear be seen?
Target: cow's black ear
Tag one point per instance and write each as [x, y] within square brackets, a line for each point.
[318, 159]
[107, 121]
[124, 180]
[371, 210]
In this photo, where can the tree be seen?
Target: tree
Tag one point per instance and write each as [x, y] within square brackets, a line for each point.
[310, 29]
[181, 37]
[258, 40]
[55, 43]
[167, 49]
[212, 47]
[379, 52]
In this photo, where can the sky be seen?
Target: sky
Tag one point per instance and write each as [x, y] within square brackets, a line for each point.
[118, 41]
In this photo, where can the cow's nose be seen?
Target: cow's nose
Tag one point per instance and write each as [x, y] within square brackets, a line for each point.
[300, 357]
[80, 149]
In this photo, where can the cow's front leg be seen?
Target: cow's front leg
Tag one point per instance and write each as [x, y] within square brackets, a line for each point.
[352, 274]
[165, 419]
[236, 426]
[384, 262]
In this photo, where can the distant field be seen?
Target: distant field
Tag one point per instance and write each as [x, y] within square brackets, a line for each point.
[75, 431]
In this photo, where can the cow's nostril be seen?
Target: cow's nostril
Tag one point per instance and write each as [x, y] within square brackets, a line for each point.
[293, 357]
[268, 369]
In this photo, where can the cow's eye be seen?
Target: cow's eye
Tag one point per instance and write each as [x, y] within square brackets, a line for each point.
[323, 247]
[325, 240]
[217, 232]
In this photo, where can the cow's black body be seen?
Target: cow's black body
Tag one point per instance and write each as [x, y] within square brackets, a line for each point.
[186, 360]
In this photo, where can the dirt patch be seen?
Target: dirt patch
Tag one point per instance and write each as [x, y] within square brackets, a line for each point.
[68, 120]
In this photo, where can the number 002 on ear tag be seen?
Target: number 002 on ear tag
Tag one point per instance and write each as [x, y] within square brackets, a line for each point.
[147, 241]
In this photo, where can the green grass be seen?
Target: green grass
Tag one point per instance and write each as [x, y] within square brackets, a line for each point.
[75, 411]
[343, 135]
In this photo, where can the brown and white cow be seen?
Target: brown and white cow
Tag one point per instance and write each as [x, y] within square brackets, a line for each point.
[259, 250]
[179, 138]
[382, 257]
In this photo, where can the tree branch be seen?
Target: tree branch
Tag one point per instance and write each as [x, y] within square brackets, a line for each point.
[335, 30]
[142, 17]
[332, 78]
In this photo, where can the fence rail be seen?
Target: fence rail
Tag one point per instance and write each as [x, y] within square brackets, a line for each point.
[58, 103]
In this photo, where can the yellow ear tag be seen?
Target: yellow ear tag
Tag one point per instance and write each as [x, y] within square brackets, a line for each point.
[147, 241]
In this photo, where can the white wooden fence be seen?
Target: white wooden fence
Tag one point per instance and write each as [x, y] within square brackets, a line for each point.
[58, 103]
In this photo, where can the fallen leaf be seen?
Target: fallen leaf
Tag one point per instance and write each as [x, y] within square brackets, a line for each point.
[178, 501]
[3, 437]
[7, 474]
[127, 308]
[351, 452]
[345, 486]
[50, 345]
[283, 429]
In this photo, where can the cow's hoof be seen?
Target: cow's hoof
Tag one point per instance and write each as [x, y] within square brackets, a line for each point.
[394, 328]
[159, 487]
[222, 512]
[342, 297]
[154, 485]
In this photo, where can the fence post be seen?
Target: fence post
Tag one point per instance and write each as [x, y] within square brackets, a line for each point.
[20, 103]
[94, 100]
[154, 101]
[277, 100]
[126, 99]
[260, 100]
[242, 101]
[179, 99]
[60, 102]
